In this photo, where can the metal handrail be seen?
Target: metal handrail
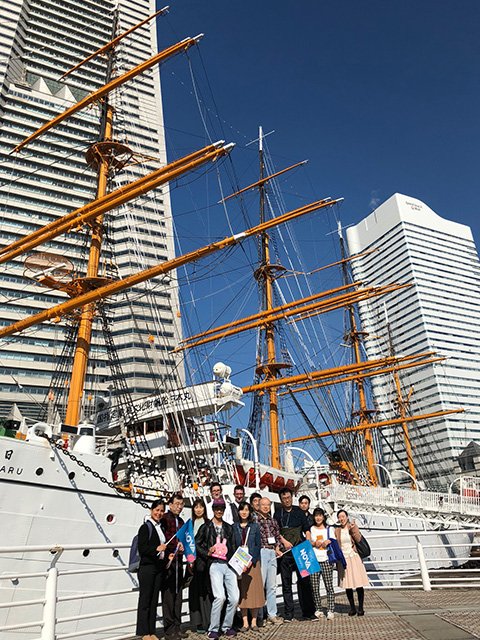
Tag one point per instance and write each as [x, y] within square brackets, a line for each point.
[443, 503]
[399, 577]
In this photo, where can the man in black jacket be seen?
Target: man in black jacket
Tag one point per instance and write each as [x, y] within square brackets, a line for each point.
[294, 528]
[216, 543]
[239, 495]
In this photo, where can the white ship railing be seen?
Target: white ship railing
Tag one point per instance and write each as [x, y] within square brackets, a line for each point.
[405, 499]
[383, 574]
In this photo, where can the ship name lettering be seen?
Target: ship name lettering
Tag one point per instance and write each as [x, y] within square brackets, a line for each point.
[11, 470]
[8, 454]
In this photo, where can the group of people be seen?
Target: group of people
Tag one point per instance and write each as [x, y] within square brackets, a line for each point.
[216, 590]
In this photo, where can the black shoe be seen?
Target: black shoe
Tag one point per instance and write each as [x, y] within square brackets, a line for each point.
[360, 612]
[352, 612]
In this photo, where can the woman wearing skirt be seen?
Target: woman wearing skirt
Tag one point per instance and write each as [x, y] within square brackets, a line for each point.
[354, 576]
[252, 595]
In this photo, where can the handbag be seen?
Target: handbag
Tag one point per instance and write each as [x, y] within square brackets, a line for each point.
[363, 548]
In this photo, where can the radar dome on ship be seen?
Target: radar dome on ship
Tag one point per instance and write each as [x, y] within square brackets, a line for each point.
[229, 389]
[222, 370]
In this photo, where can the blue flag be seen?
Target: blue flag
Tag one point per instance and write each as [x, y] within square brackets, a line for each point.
[186, 537]
[306, 559]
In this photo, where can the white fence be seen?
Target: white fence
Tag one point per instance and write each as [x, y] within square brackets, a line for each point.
[383, 574]
[466, 503]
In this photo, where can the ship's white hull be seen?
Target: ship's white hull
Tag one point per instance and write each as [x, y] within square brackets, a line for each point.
[42, 503]
[48, 508]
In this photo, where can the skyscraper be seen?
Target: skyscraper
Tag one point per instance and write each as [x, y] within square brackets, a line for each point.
[40, 40]
[439, 312]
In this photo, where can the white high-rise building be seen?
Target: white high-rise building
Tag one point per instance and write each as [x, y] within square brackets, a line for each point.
[39, 41]
[440, 312]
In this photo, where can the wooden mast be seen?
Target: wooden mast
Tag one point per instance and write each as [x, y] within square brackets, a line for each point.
[82, 349]
[103, 155]
[264, 275]
[363, 413]
[402, 410]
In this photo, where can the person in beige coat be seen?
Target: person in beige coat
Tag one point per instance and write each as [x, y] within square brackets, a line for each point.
[354, 576]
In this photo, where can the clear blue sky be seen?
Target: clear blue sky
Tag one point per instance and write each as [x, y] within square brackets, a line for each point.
[380, 96]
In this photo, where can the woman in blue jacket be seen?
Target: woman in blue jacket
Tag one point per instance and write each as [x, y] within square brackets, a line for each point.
[252, 595]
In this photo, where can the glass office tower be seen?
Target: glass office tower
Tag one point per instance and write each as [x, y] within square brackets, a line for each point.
[439, 312]
[39, 41]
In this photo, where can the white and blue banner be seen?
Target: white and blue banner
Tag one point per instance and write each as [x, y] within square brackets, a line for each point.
[186, 537]
[306, 559]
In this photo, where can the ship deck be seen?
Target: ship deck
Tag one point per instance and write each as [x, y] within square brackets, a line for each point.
[441, 614]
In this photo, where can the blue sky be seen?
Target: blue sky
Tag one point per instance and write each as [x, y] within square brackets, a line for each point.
[380, 97]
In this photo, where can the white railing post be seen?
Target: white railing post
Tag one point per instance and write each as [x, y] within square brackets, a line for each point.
[427, 585]
[50, 606]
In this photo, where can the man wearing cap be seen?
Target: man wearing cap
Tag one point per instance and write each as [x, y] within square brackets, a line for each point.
[216, 544]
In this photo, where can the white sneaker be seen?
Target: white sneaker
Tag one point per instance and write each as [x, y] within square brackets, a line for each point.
[330, 615]
[319, 614]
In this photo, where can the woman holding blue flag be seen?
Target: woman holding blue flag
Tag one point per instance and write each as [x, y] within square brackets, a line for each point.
[252, 595]
[151, 547]
[320, 539]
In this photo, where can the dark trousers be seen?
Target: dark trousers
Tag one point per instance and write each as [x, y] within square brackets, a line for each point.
[200, 599]
[172, 598]
[150, 581]
[305, 597]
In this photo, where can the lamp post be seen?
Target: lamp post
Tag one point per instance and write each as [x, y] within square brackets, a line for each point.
[376, 464]
[255, 458]
[461, 478]
[314, 466]
[417, 488]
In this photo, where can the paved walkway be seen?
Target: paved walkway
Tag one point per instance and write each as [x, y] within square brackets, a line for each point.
[443, 614]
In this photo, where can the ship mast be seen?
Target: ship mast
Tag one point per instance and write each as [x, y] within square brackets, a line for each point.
[354, 337]
[265, 275]
[402, 411]
[82, 349]
[101, 156]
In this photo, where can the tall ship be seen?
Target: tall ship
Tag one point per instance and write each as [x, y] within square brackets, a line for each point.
[139, 402]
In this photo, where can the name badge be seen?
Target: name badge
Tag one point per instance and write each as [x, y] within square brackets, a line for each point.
[271, 540]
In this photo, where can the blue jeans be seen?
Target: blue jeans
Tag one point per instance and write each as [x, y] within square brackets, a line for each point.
[268, 563]
[223, 578]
